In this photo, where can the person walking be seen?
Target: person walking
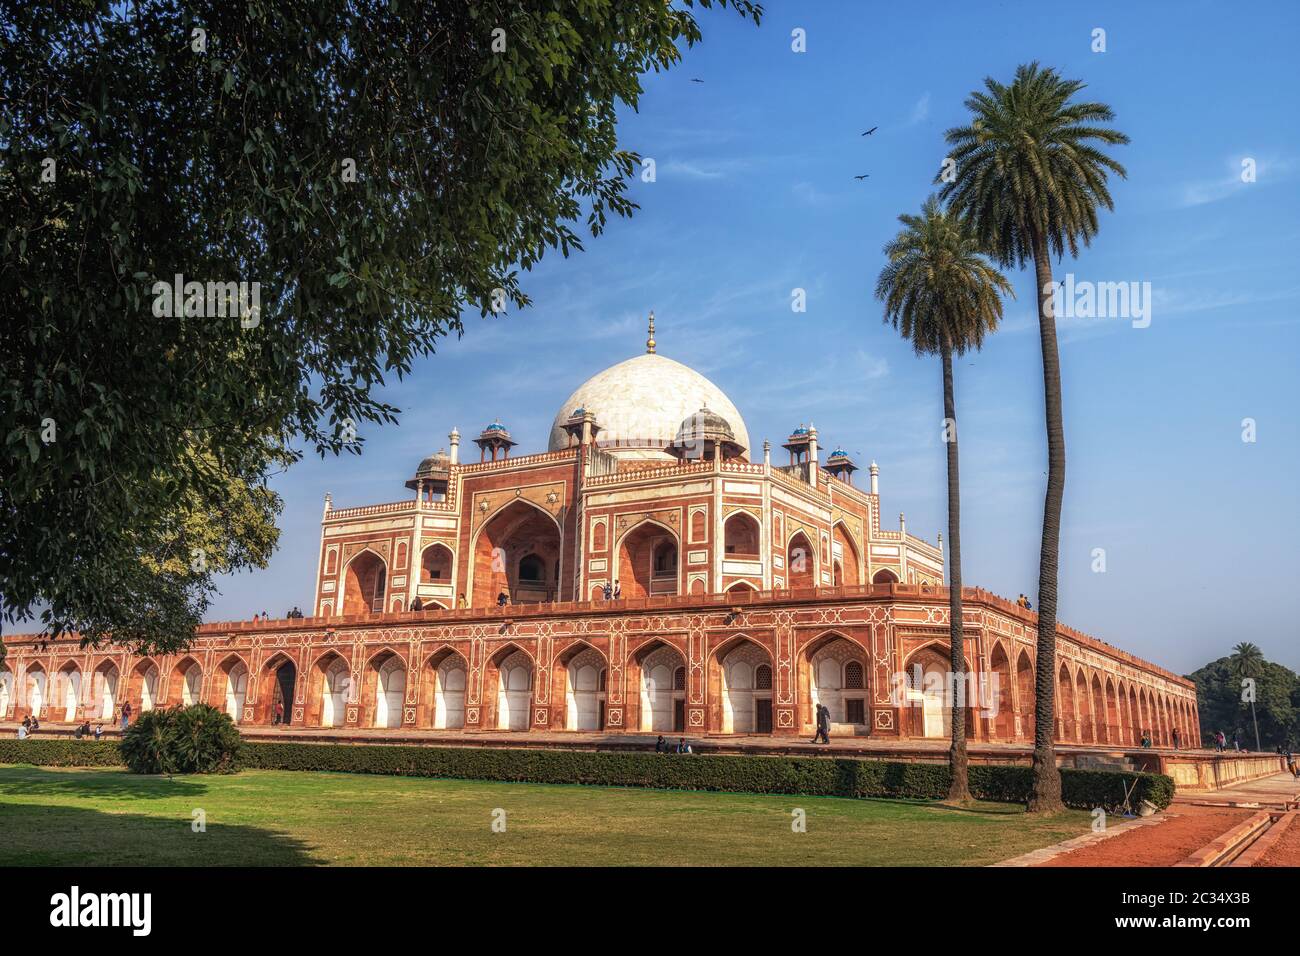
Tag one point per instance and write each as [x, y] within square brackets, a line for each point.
[126, 714]
[278, 717]
[823, 725]
[99, 731]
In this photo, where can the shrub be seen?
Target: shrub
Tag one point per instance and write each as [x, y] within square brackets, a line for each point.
[195, 739]
[144, 746]
[845, 777]
[60, 753]
[815, 776]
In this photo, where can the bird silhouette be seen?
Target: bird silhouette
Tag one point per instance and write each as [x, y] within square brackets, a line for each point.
[870, 131]
[863, 176]
[696, 80]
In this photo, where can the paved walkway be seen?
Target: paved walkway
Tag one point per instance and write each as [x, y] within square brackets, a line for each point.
[1266, 792]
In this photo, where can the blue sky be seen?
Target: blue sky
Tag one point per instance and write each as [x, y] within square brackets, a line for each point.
[755, 197]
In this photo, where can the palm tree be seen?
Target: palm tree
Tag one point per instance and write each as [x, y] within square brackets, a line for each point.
[1029, 178]
[1248, 661]
[943, 296]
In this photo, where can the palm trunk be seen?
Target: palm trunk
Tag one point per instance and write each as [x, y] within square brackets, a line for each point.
[1045, 796]
[959, 788]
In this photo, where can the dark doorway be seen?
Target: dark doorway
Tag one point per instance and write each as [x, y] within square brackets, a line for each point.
[679, 715]
[285, 678]
[763, 715]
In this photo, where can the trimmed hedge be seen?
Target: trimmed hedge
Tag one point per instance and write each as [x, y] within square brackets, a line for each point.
[61, 753]
[815, 776]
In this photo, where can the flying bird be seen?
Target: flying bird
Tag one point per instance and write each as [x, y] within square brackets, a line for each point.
[863, 176]
[870, 131]
[696, 80]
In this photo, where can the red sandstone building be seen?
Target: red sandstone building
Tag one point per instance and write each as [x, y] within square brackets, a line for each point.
[744, 592]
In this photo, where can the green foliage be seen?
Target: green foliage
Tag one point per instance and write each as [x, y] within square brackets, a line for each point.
[230, 163]
[939, 290]
[146, 744]
[46, 752]
[815, 776]
[1030, 168]
[194, 739]
[1277, 701]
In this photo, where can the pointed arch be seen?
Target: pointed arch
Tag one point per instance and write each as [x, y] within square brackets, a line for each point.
[800, 561]
[1025, 693]
[443, 681]
[649, 560]
[739, 704]
[832, 669]
[848, 566]
[365, 583]
[579, 674]
[741, 536]
[657, 704]
[517, 530]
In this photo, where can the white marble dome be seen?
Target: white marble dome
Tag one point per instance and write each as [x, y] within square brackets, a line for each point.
[641, 403]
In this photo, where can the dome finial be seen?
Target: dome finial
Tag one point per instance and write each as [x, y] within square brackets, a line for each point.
[650, 342]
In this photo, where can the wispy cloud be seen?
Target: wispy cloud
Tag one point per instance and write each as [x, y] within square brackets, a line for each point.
[705, 169]
[1237, 177]
[921, 111]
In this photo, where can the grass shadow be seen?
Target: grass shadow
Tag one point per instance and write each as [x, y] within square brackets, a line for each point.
[43, 835]
[20, 780]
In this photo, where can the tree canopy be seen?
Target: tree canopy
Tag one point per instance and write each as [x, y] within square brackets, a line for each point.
[369, 171]
[1222, 707]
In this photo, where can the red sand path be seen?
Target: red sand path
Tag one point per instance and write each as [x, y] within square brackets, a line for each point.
[1186, 830]
[1286, 851]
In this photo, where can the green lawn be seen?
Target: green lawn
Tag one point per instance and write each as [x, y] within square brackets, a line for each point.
[263, 817]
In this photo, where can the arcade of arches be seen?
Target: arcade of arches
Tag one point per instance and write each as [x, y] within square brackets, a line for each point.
[762, 668]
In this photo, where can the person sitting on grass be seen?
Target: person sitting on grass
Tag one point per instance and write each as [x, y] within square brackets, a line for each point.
[22, 731]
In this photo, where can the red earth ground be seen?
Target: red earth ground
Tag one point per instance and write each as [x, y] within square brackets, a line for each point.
[1286, 851]
[1186, 830]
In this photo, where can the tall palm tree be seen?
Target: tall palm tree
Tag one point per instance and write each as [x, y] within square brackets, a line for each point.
[944, 297]
[1248, 661]
[1029, 177]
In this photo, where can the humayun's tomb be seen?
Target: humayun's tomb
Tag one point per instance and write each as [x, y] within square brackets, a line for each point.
[751, 585]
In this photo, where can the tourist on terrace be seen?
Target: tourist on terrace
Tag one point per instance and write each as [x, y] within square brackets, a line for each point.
[1218, 740]
[503, 599]
[618, 591]
[417, 604]
[1176, 738]
[461, 602]
[660, 745]
[608, 591]
[682, 746]
[1146, 740]
[99, 731]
